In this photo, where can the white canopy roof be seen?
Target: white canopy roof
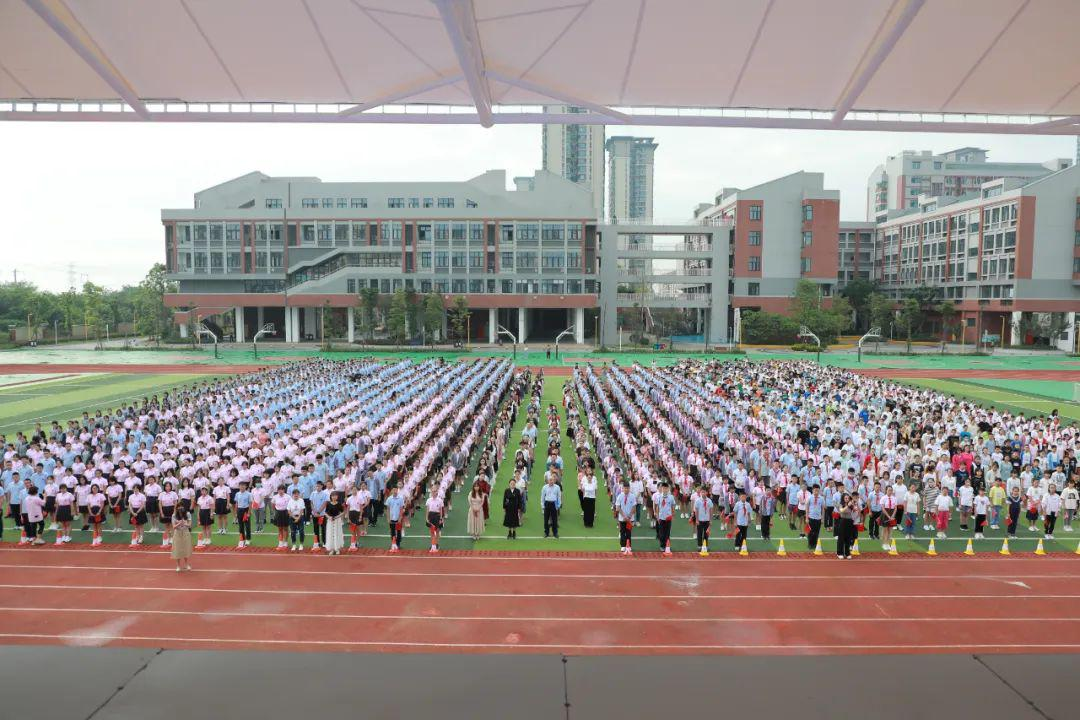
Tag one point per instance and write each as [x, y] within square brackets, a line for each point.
[990, 65]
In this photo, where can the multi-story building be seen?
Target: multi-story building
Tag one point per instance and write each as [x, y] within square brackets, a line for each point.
[783, 231]
[630, 187]
[898, 182]
[576, 152]
[1011, 248]
[856, 252]
[286, 251]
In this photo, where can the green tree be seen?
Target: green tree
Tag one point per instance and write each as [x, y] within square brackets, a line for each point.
[458, 317]
[397, 320]
[858, 292]
[152, 317]
[947, 311]
[97, 311]
[414, 309]
[432, 316]
[910, 317]
[369, 304]
[880, 308]
[808, 308]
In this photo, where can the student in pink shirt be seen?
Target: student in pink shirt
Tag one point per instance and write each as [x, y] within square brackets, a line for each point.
[96, 502]
[206, 507]
[33, 507]
[65, 501]
[137, 510]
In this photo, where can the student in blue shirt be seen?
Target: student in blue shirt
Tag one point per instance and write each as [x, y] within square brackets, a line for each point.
[743, 513]
[242, 508]
[625, 504]
[815, 509]
[665, 511]
[765, 512]
[551, 501]
[395, 504]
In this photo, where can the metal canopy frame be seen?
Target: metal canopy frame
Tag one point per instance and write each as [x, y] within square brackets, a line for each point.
[487, 82]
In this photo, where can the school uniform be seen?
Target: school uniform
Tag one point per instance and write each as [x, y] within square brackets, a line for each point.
[664, 505]
[743, 513]
[551, 500]
[703, 507]
[395, 505]
[765, 512]
[625, 503]
[815, 508]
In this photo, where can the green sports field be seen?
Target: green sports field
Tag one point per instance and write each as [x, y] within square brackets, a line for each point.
[27, 400]
[67, 398]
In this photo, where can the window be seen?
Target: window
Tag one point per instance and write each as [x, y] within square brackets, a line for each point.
[807, 238]
[358, 233]
[457, 231]
[350, 286]
[446, 202]
[328, 203]
[937, 165]
[476, 231]
[414, 202]
[341, 234]
[754, 238]
[309, 202]
[755, 212]
[356, 203]
[442, 231]
[442, 259]
[753, 288]
[470, 203]
[273, 203]
[805, 264]
[553, 260]
[573, 259]
[457, 259]
[395, 202]
[425, 259]
[476, 259]
[552, 231]
[232, 231]
[342, 203]
[754, 263]
[506, 260]
[428, 202]
[807, 213]
[916, 164]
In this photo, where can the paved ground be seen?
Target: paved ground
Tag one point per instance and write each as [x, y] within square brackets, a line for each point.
[72, 683]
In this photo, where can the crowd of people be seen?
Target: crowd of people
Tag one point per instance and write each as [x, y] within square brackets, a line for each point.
[331, 449]
[824, 449]
[306, 447]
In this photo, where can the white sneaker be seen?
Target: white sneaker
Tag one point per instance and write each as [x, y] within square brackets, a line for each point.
[993, 527]
[758, 528]
[1049, 536]
[53, 526]
[134, 543]
[240, 544]
[60, 541]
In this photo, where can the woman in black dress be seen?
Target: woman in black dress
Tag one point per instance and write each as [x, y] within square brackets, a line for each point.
[512, 510]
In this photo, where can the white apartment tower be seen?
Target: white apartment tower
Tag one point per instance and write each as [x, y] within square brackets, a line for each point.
[576, 152]
[897, 184]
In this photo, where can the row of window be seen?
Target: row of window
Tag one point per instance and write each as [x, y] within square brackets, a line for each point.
[475, 286]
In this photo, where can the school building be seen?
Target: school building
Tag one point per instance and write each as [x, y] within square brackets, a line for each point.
[532, 260]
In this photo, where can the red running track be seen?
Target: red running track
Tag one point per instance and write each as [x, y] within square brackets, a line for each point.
[575, 605]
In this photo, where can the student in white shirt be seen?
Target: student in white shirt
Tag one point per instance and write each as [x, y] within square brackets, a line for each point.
[1070, 498]
[1051, 506]
[966, 498]
[942, 509]
[981, 506]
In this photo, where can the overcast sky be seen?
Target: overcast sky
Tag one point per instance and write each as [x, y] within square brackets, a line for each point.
[90, 194]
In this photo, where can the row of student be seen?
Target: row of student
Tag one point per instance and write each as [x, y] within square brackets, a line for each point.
[884, 506]
[261, 428]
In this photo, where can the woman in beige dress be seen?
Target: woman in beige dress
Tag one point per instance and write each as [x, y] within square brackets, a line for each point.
[476, 512]
[181, 538]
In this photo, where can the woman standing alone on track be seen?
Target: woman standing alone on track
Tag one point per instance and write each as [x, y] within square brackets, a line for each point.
[181, 539]
[335, 535]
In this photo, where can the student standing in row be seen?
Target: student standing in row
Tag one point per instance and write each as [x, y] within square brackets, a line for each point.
[664, 505]
[434, 507]
[815, 507]
[296, 509]
[279, 504]
[242, 508]
[624, 514]
[551, 500]
[743, 512]
[335, 535]
[587, 490]
[702, 517]
[765, 511]
[394, 505]
[512, 509]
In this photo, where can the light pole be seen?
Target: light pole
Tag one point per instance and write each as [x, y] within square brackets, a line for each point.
[513, 338]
